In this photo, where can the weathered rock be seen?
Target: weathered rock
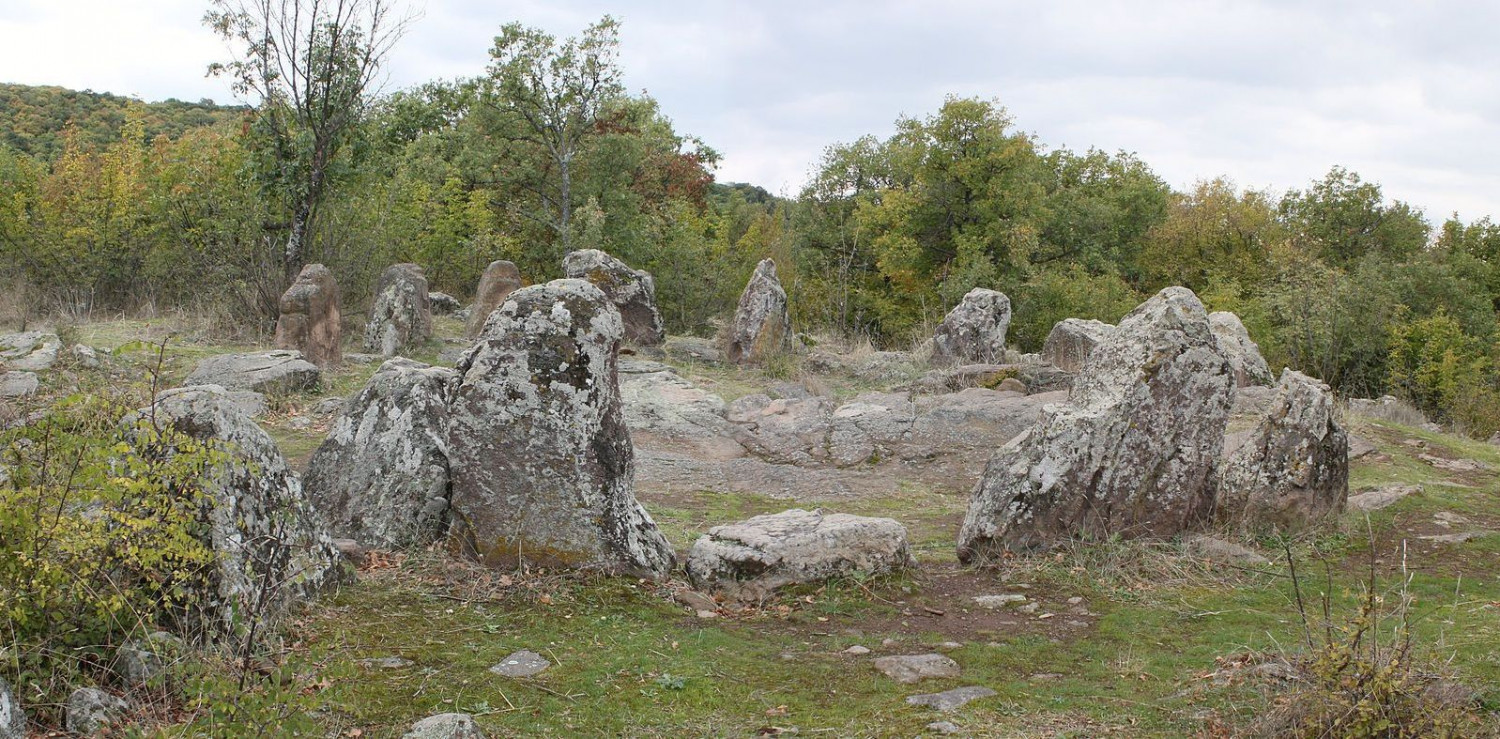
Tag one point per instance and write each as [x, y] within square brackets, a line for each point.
[761, 327]
[257, 520]
[692, 349]
[401, 317]
[91, 710]
[381, 475]
[661, 406]
[1070, 341]
[1245, 361]
[542, 464]
[524, 663]
[443, 304]
[870, 427]
[12, 717]
[1388, 408]
[944, 727]
[446, 726]
[1294, 468]
[84, 356]
[1134, 451]
[756, 556]
[632, 291]
[974, 331]
[1383, 497]
[972, 420]
[787, 430]
[910, 668]
[998, 601]
[18, 384]
[884, 367]
[310, 322]
[29, 350]
[139, 661]
[500, 279]
[950, 700]
[385, 663]
[1218, 550]
[263, 372]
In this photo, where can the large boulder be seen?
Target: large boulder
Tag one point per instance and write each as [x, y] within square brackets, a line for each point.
[1248, 365]
[500, 279]
[310, 321]
[756, 556]
[541, 460]
[633, 292]
[974, 331]
[401, 317]
[29, 350]
[271, 548]
[381, 475]
[1134, 451]
[277, 371]
[1071, 340]
[1293, 469]
[12, 717]
[761, 327]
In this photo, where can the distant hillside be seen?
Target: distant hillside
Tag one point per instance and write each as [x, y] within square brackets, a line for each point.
[32, 118]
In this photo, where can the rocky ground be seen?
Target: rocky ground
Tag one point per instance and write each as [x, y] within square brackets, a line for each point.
[1168, 638]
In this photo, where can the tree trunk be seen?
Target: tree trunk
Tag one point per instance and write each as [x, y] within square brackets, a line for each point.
[566, 210]
[291, 259]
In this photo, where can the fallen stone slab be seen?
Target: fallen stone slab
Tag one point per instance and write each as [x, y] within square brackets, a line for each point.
[950, 700]
[1374, 500]
[446, 726]
[29, 350]
[18, 384]
[911, 668]
[263, 372]
[998, 601]
[763, 553]
[524, 663]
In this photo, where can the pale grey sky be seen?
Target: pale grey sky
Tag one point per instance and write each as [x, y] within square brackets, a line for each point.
[1270, 93]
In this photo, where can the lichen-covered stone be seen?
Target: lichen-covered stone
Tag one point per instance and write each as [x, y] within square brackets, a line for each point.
[1134, 451]
[140, 661]
[756, 556]
[258, 521]
[633, 291]
[381, 475]
[446, 726]
[500, 279]
[91, 710]
[1293, 469]
[29, 350]
[443, 304]
[541, 460]
[761, 327]
[1248, 365]
[12, 717]
[18, 384]
[1071, 340]
[661, 406]
[974, 331]
[310, 321]
[401, 317]
[277, 371]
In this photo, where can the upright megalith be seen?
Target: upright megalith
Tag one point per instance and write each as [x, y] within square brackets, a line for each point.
[1134, 451]
[271, 548]
[309, 321]
[381, 475]
[1293, 468]
[541, 461]
[974, 331]
[632, 291]
[401, 317]
[1245, 361]
[761, 327]
[1071, 340]
[500, 279]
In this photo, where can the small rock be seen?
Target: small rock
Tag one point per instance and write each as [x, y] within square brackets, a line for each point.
[766, 552]
[706, 614]
[1454, 465]
[1031, 607]
[442, 303]
[696, 600]
[328, 406]
[263, 372]
[1457, 538]
[29, 350]
[948, 645]
[888, 642]
[1012, 385]
[352, 550]
[910, 668]
[18, 384]
[950, 700]
[999, 601]
[385, 663]
[944, 727]
[1374, 500]
[1218, 550]
[857, 650]
[446, 726]
[524, 663]
[299, 423]
[84, 356]
[1075, 600]
[139, 661]
[1046, 676]
[1359, 447]
[90, 710]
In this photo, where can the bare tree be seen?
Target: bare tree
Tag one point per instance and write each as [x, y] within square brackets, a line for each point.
[311, 66]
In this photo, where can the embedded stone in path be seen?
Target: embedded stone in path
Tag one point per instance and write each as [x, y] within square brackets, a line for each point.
[1374, 500]
[633, 292]
[446, 726]
[524, 663]
[763, 553]
[500, 279]
[950, 700]
[911, 668]
[310, 321]
[264, 372]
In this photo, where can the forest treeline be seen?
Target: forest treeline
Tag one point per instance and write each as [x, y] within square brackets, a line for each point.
[113, 205]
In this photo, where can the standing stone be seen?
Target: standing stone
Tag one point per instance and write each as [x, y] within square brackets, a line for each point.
[632, 291]
[12, 718]
[310, 321]
[1248, 365]
[541, 459]
[500, 279]
[761, 327]
[1071, 340]
[1293, 469]
[257, 520]
[402, 315]
[1134, 451]
[381, 476]
[974, 331]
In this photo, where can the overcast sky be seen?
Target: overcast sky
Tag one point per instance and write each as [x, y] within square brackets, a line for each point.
[1269, 93]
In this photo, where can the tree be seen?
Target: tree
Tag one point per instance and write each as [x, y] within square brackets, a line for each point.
[549, 99]
[311, 64]
[1342, 219]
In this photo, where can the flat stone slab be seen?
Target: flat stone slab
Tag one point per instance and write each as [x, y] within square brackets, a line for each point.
[385, 663]
[446, 726]
[950, 700]
[1374, 500]
[262, 372]
[18, 384]
[910, 668]
[524, 663]
[29, 350]
[998, 601]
